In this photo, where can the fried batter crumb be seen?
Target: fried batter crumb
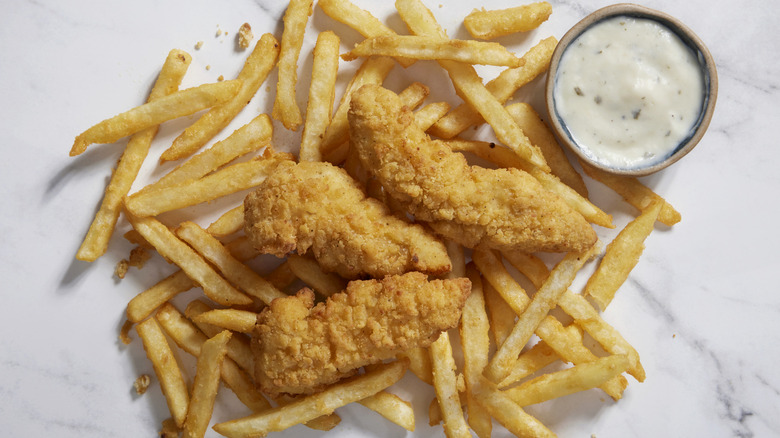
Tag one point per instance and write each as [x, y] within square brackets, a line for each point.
[198, 45]
[142, 383]
[121, 268]
[245, 35]
[220, 78]
[169, 429]
[138, 257]
[124, 332]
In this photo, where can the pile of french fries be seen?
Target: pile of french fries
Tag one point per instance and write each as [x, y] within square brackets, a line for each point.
[510, 336]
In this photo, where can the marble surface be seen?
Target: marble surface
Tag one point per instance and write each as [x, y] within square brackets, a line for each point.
[701, 307]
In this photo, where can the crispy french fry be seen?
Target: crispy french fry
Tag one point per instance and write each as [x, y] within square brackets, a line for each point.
[360, 20]
[143, 304]
[543, 301]
[419, 363]
[309, 271]
[621, 256]
[635, 193]
[191, 340]
[256, 68]
[232, 221]
[285, 106]
[205, 385]
[173, 249]
[445, 384]
[475, 340]
[502, 87]
[249, 138]
[96, 241]
[420, 47]
[457, 259]
[169, 107]
[235, 271]
[242, 321]
[238, 347]
[537, 131]
[470, 88]
[392, 407]
[166, 368]
[429, 114]
[231, 179]
[282, 276]
[372, 71]
[487, 25]
[502, 317]
[506, 158]
[531, 361]
[508, 413]
[560, 383]
[322, 92]
[315, 405]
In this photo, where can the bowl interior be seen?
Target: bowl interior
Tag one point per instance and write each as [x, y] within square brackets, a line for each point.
[687, 36]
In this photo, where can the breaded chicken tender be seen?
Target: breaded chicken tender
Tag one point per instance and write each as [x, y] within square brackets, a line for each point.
[503, 209]
[317, 206]
[301, 348]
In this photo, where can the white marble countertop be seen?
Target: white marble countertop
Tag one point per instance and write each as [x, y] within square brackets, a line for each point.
[701, 307]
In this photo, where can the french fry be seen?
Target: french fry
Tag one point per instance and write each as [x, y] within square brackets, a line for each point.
[173, 249]
[360, 20]
[470, 88]
[506, 158]
[169, 107]
[191, 340]
[285, 106]
[561, 383]
[166, 368]
[445, 384]
[508, 413]
[323, 422]
[282, 276]
[420, 47]
[635, 193]
[419, 363]
[249, 138]
[143, 304]
[487, 25]
[621, 256]
[315, 405]
[96, 241]
[232, 221]
[543, 301]
[537, 131]
[205, 385]
[235, 271]
[392, 407]
[242, 321]
[502, 87]
[322, 92]
[309, 271]
[231, 179]
[550, 330]
[531, 361]
[501, 315]
[429, 114]
[256, 68]
[238, 347]
[475, 340]
[372, 71]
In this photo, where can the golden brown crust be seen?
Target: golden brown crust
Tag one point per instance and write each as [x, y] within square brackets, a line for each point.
[300, 348]
[319, 207]
[503, 209]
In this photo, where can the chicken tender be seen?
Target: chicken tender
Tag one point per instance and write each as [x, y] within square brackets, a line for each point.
[317, 206]
[301, 348]
[503, 209]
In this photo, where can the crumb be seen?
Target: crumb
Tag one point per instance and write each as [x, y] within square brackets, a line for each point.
[674, 335]
[593, 435]
[208, 67]
[219, 32]
[169, 429]
[245, 35]
[267, 88]
[121, 268]
[142, 383]
[220, 78]
[124, 332]
[198, 45]
[441, 5]
[138, 257]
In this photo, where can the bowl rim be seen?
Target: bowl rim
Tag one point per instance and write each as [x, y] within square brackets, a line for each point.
[676, 26]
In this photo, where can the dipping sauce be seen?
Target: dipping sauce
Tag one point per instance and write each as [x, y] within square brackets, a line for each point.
[629, 91]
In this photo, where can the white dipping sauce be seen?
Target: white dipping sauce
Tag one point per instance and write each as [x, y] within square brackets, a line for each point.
[629, 91]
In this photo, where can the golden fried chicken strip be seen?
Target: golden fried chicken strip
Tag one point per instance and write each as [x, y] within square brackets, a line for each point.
[301, 348]
[504, 209]
[317, 206]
